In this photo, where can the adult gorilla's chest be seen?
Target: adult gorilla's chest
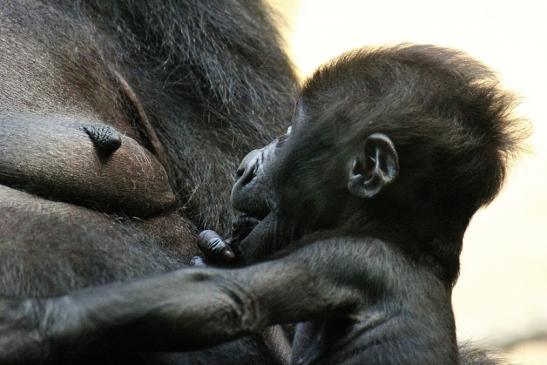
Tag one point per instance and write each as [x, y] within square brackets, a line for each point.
[64, 217]
[209, 100]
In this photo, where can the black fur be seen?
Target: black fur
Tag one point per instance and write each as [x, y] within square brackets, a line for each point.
[211, 77]
[369, 263]
[213, 81]
[448, 119]
[452, 135]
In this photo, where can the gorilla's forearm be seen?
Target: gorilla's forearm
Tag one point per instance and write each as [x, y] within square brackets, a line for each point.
[180, 311]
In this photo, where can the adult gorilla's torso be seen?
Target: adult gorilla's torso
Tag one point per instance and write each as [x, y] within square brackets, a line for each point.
[214, 84]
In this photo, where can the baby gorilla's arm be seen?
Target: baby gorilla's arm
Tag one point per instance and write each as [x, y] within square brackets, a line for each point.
[184, 310]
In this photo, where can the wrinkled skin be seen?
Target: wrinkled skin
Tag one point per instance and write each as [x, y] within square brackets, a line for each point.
[186, 100]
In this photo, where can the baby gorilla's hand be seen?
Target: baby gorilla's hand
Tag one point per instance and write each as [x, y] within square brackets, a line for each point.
[214, 248]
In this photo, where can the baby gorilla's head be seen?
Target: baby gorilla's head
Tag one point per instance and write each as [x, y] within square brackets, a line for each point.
[412, 137]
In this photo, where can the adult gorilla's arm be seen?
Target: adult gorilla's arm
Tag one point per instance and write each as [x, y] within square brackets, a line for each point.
[183, 310]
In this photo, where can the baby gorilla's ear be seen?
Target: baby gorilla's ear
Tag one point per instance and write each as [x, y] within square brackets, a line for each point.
[375, 166]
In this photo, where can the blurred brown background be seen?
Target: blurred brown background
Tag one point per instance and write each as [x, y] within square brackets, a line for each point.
[501, 298]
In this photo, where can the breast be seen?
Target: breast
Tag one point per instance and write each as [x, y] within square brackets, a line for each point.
[59, 161]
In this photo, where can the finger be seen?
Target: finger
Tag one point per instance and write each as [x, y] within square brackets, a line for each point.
[212, 245]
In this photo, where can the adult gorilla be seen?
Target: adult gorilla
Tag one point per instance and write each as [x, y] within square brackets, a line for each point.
[186, 86]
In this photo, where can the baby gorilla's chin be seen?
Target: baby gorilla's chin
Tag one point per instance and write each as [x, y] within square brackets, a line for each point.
[252, 237]
[242, 225]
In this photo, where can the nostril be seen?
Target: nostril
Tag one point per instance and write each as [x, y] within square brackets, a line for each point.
[240, 172]
[248, 167]
[247, 174]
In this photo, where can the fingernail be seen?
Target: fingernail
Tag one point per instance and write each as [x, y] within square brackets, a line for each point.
[197, 261]
[228, 254]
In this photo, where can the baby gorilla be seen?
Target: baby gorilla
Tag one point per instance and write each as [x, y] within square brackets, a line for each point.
[361, 210]
[390, 153]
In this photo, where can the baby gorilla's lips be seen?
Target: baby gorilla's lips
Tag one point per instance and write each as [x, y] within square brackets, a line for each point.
[243, 224]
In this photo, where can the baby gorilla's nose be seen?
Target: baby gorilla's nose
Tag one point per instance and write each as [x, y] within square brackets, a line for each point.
[246, 171]
[252, 189]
